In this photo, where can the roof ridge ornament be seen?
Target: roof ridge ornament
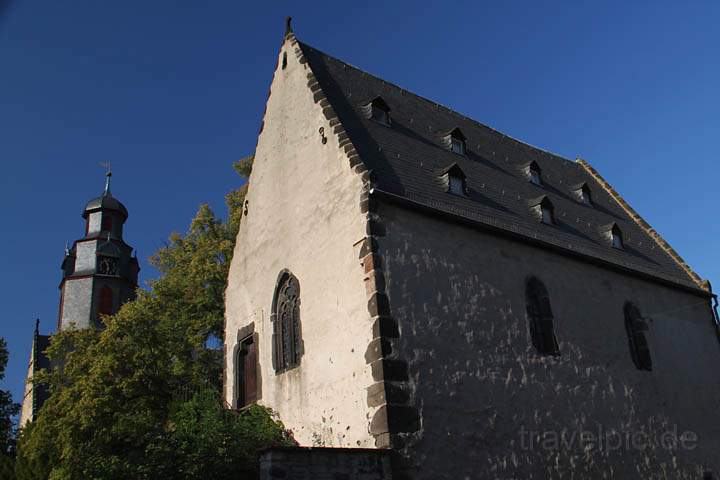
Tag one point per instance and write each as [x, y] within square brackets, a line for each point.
[288, 26]
[106, 192]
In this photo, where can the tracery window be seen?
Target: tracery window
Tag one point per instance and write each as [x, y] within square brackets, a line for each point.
[287, 338]
[540, 318]
[635, 327]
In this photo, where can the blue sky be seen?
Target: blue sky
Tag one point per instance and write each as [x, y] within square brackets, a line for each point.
[171, 92]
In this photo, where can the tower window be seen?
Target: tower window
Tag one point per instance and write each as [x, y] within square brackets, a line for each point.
[287, 343]
[105, 306]
[635, 327]
[106, 223]
[380, 112]
[246, 372]
[540, 318]
[616, 237]
[534, 173]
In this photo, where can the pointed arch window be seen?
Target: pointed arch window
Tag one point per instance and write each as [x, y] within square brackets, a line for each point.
[616, 237]
[584, 195]
[105, 306]
[380, 111]
[543, 209]
[454, 180]
[534, 173]
[635, 327]
[287, 337]
[457, 142]
[540, 318]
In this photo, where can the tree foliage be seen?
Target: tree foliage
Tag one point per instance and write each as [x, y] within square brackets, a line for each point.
[8, 410]
[141, 398]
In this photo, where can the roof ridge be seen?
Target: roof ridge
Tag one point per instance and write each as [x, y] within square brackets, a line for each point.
[437, 104]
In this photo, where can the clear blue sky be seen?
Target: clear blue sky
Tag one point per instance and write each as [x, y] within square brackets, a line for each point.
[171, 92]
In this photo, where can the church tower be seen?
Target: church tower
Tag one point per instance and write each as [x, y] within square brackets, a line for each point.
[99, 271]
[99, 274]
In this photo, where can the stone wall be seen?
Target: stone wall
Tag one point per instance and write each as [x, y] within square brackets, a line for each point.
[325, 464]
[304, 216]
[490, 407]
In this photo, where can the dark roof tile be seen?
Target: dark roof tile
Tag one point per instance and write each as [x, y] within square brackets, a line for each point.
[406, 158]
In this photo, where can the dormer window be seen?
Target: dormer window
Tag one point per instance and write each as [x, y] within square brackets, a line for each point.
[585, 197]
[616, 237]
[544, 210]
[534, 173]
[455, 180]
[582, 193]
[457, 142]
[379, 111]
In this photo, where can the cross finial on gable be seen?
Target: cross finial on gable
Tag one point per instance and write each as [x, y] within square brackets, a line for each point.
[288, 25]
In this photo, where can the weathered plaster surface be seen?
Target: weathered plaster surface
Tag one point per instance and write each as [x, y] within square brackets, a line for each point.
[77, 303]
[26, 413]
[304, 216]
[457, 295]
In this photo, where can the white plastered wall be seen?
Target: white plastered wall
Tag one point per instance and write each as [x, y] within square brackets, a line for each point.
[304, 216]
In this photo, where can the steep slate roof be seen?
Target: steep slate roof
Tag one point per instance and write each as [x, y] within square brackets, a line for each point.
[407, 157]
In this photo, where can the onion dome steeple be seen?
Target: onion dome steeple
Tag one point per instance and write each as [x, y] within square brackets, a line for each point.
[105, 214]
[99, 270]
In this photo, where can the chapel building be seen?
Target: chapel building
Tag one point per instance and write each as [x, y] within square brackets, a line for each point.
[408, 278]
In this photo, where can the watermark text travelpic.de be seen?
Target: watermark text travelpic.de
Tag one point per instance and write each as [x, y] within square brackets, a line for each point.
[607, 440]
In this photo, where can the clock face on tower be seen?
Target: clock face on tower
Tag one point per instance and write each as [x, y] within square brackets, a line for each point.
[107, 265]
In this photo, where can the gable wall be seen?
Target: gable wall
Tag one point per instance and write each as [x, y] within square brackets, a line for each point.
[457, 295]
[304, 216]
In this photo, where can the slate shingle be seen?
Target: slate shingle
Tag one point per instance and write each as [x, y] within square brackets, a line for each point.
[406, 159]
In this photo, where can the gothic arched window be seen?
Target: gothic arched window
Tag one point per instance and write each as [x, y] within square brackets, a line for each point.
[540, 318]
[105, 306]
[287, 339]
[635, 327]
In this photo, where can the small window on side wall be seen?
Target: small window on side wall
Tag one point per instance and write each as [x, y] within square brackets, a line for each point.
[540, 318]
[635, 327]
[247, 372]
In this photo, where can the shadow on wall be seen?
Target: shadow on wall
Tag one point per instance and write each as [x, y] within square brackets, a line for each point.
[508, 412]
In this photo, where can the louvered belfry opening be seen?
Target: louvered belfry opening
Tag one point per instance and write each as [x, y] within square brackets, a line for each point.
[540, 318]
[635, 327]
[287, 336]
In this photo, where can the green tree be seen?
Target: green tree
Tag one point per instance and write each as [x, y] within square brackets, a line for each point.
[8, 409]
[141, 398]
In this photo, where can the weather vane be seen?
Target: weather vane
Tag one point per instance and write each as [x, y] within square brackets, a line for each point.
[106, 165]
